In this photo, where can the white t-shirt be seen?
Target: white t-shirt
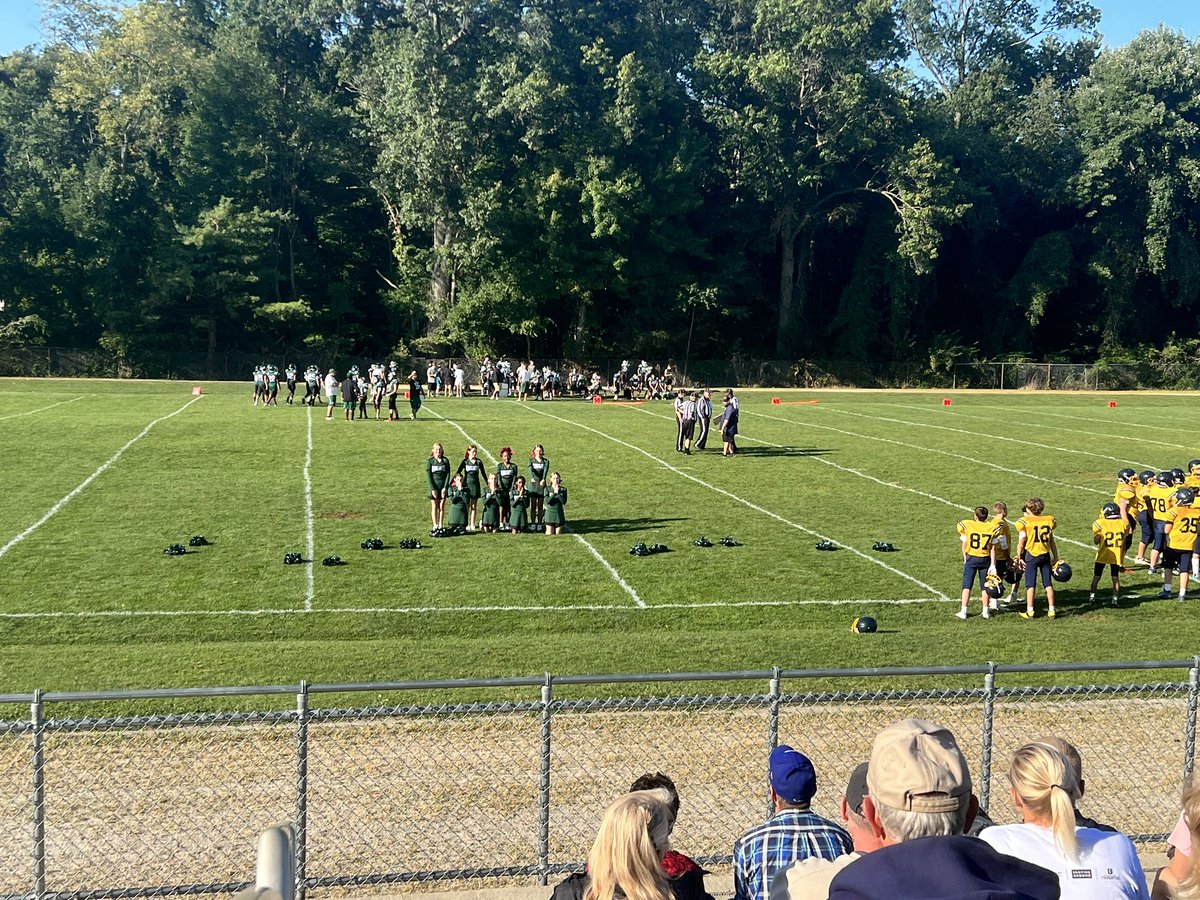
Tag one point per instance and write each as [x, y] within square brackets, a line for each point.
[1107, 869]
[331, 386]
[809, 879]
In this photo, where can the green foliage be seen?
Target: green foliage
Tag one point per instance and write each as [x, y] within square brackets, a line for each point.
[832, 177]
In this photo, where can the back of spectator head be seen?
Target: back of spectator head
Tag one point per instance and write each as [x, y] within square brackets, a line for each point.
[918, 783]
[793, 778]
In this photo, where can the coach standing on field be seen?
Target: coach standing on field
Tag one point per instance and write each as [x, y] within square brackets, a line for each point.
[704, 417]
[687, 421]
[680, 399]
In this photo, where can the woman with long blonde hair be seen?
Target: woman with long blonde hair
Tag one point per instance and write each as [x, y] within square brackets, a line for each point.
[626, 858]
[1180, 878]
[1090, 864]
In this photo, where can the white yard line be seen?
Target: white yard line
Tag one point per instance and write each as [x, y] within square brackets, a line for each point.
[889, 484]
[625, 586]
[979, 434]
[309, 539]
[741, 500]
[1115, 437]
[41, 409]
[427, 610]
[970, 459]
[69, 497]
[894, 485]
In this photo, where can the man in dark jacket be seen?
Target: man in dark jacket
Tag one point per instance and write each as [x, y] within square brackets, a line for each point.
[919, 804]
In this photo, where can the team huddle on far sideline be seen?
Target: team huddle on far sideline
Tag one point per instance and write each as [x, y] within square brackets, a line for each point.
[1162, 508]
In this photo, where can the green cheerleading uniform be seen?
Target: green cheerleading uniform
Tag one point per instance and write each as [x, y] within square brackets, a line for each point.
[554, 514]
[456, 508]
[438, 472]
[519, 517]
[538, 471]
[472, 472]
[491, 510]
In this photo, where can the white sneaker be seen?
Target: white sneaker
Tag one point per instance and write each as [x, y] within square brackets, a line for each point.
[987, 614]
[962, 613]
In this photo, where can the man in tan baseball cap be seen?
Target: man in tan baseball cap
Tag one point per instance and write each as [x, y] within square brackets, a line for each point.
[919, 804]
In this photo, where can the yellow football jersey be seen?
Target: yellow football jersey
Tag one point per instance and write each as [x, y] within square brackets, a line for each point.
[1111, 548]
[1185, 525]
[1127, 492]
[1158, 500]
[977, 537]
[1002, 538]
[1192, 481]
[1038, 531]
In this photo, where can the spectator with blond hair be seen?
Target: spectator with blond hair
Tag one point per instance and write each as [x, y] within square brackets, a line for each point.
[1090, 864]
[626, 857]
[1180, 878]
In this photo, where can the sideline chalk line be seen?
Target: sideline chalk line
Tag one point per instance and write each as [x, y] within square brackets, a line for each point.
[41, 409]
[309, 539]
[457, 610]
[112, 459]
[743, 501]
[625, 586]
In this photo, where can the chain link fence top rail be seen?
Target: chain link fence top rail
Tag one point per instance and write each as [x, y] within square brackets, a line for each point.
[444, 790]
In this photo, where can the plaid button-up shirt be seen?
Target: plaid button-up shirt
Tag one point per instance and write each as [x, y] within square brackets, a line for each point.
[787, 836]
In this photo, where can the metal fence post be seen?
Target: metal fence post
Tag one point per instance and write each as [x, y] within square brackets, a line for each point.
[1189, 738]
[39, 795]
[301, 789]
[544, 786]
[772, 724]
[989, 703]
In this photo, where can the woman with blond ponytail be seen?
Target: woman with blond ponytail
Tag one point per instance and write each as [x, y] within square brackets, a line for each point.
[1090, 864]
[626, 858]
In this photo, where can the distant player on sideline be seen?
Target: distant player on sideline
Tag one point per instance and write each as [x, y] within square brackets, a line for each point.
[1036, 552]
[1110, 534]
[1182, 524]
[979, 557]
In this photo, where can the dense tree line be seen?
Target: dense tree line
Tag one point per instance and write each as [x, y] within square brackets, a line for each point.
[870, 180]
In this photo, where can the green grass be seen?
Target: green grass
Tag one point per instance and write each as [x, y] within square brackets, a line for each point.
[856, 467]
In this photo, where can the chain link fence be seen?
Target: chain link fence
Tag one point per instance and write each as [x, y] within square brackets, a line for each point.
[447, 790]
[1046, 376]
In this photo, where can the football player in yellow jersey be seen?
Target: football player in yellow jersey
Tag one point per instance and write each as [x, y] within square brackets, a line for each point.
[1125, 496]
[1182, 526]
[1006, 566]
[979, 557]
[1145, 519]
[1192, 479]
[1159, 499]
[1111, 534]
[1036, 552]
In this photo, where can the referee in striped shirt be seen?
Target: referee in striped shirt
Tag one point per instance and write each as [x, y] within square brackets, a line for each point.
[685, 414]
[795, 832]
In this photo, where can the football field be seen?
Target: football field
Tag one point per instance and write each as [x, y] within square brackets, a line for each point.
[99, 477]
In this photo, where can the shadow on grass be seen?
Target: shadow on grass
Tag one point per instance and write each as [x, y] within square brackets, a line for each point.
[1075, 602]
[584, 526]
[782, 451]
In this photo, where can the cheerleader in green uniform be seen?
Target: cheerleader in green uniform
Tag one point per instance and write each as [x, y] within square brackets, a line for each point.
[556, 499]
[506, 477]
[437, 469]
[457, 499]
[490, 520]
[539, 472]
[519, 506]
[473, 473]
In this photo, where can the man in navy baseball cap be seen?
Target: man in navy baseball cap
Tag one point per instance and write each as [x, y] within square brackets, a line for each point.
[793, 832]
